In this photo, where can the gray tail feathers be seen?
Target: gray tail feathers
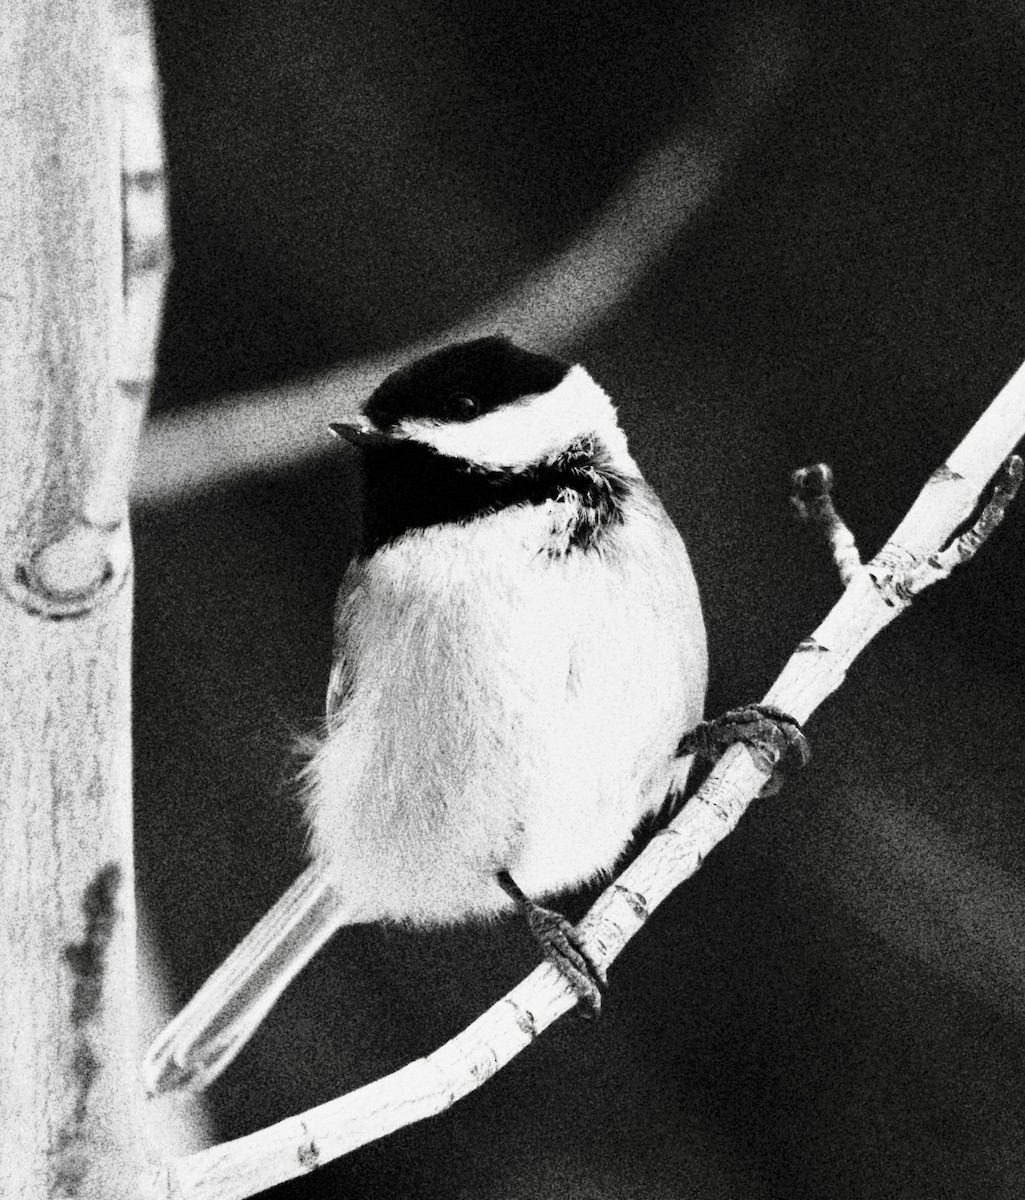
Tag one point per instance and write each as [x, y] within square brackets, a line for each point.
[224, 1014]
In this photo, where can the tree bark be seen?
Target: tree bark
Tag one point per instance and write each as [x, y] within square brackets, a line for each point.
[69, 1100]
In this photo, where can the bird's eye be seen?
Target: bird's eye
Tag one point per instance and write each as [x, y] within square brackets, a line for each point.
[461, 406]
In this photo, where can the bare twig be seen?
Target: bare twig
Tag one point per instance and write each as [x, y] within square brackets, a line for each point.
[812, 497]
[874, 597]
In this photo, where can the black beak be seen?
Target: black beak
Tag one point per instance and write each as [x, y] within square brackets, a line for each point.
[362, 435]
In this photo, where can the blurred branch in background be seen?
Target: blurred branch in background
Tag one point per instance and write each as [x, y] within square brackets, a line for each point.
[188, 451]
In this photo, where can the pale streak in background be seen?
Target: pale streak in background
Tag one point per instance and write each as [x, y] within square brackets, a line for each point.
[187, 451]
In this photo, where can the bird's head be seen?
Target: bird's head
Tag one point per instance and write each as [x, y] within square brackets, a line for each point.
[490, 403]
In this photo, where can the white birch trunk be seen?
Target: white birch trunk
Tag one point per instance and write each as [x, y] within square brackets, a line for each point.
[69, 1101]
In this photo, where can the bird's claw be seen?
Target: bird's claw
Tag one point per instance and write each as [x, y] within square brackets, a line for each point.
[561, 945]
[771, 735]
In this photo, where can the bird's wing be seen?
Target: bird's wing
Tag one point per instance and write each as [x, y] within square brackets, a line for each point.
[339, 686]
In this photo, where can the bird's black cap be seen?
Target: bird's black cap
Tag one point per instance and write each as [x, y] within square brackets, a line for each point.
[463, 381]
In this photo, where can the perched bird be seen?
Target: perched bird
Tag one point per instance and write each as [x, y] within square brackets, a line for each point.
[519, 646]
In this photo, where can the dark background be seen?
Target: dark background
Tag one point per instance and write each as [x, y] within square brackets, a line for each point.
[835, 1005]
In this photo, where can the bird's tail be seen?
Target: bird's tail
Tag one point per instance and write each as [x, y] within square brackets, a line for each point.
[224, 1014]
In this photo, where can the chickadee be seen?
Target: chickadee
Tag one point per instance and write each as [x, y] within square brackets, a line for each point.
[519, 646]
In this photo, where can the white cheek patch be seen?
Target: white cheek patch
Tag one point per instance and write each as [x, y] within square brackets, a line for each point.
[531, 429]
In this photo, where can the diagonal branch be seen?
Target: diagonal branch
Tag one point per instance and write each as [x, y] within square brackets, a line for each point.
[874, 597]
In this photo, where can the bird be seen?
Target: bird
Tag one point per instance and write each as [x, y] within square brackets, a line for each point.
[518, 647]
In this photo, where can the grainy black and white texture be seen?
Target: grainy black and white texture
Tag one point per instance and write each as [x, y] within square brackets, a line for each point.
[834, 1006]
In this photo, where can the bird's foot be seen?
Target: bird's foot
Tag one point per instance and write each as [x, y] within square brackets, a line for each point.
[770, 734]
[562, 947]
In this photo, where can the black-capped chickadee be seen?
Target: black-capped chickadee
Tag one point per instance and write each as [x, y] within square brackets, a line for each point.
[519, 647]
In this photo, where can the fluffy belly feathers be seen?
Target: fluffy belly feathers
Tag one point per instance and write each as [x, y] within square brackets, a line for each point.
[522, 715]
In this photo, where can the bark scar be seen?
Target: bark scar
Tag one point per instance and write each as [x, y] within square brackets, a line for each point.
[87, 961]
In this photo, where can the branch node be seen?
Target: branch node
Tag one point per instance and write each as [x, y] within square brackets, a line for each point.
[524, 1018]
[85, 565]
[638, 904]
[308, 1152]
[892, 571]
